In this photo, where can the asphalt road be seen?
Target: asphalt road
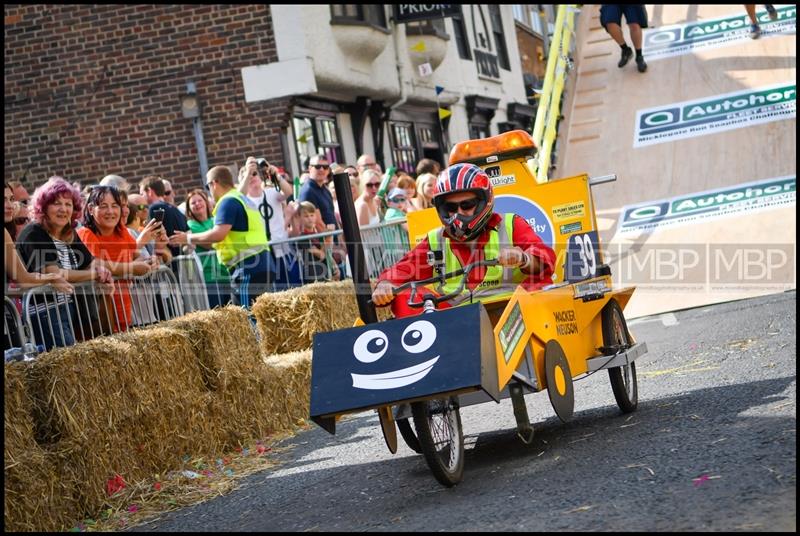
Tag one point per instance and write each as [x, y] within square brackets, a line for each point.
[712, 447]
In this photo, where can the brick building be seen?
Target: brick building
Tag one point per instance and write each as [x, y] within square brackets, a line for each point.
[92, 90]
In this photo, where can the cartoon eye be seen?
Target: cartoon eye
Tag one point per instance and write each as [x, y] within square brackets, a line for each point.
[370, 346]
[419, 336]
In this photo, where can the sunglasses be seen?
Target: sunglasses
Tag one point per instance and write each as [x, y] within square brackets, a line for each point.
[140, 207]
[372, 184]
[321, 166]
[168, 192]
[353, 173]
[398, 200]
[467, 204]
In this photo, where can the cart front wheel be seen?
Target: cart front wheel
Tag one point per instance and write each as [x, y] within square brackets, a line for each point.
[623, 378]
[438, 424]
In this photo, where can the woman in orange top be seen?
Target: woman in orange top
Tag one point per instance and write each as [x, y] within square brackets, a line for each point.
[106, 237]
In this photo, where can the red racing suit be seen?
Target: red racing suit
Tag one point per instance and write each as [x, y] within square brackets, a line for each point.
[414, 265]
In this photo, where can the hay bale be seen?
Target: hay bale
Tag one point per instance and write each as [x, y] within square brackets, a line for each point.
[130, 404]
[35, 497]
[288, 389]
[224, 343]
[288, 320]
[229, 358]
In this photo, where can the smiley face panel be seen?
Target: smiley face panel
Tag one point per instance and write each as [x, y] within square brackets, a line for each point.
[398, 359]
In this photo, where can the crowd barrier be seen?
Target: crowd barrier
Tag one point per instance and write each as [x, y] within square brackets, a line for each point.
[53, 318]
[50, 318]
[13, 330]
[384, 244]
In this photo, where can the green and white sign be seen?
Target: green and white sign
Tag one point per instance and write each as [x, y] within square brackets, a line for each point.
[709, 205]
[719, 113]
[679, 39]
[511, 332]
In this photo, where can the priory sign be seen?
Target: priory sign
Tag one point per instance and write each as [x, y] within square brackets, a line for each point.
[415, 12]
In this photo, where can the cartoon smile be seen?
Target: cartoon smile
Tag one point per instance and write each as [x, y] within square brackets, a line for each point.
[397, 378]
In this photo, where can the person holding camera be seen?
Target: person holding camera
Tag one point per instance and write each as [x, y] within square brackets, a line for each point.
[238, 236]
[268, 191]
[153, 189]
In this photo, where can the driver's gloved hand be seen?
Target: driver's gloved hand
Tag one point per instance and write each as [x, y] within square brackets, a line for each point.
[382, 295]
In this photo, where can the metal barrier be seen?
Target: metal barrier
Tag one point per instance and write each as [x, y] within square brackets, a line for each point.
[57, 319]
[13, 330]
[384, 244]
[52, 318]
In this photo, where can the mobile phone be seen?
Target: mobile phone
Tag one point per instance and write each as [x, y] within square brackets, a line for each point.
[158, 214]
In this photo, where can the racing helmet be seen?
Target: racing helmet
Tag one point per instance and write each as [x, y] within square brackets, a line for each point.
[464, 178]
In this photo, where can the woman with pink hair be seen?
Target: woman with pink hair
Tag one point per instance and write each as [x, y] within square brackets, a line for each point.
[50, 244]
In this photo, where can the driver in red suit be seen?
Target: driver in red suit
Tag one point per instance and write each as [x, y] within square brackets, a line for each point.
[470, 232]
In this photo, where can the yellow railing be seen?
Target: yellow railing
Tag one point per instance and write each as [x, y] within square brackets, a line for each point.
[544, 128]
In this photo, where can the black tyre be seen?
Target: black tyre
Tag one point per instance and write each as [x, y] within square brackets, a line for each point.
[409, 436]
[616, 337]
[438, 425]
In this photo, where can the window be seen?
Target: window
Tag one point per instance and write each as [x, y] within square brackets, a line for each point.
[536, 21]
[521, 14]
[478, 131]
[373, 14]
[499, 39]
[427, 27]
[316, 134]
[460, 32]
[403, 146]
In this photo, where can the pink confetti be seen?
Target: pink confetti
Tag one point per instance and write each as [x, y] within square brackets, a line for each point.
[699, 480]
[133, 508]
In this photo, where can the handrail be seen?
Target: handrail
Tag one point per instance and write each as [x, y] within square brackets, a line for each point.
[548, 112]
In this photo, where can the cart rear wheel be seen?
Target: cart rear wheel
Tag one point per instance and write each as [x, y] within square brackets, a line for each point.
[438, 424]
[409, 436]
[623, 378]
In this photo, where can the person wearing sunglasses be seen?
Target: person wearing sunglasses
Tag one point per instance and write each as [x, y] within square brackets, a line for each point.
[471, 231]
[314, 191]
[368, 204]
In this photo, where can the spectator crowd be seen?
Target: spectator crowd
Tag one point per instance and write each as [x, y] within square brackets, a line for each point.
[250, 233]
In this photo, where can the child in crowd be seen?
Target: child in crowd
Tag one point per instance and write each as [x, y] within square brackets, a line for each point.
[397, 205]
[312, 251]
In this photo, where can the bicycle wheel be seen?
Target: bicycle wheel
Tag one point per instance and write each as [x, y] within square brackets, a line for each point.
[438, 424]
[623, 378]
[409, 436]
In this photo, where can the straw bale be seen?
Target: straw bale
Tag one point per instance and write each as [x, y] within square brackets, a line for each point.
[288, 320]
[130, 404]
[35, 497]
[289, 389]
[224, 343]
[228, 355]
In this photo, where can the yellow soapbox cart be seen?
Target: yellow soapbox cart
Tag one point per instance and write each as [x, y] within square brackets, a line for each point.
[422, 369]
